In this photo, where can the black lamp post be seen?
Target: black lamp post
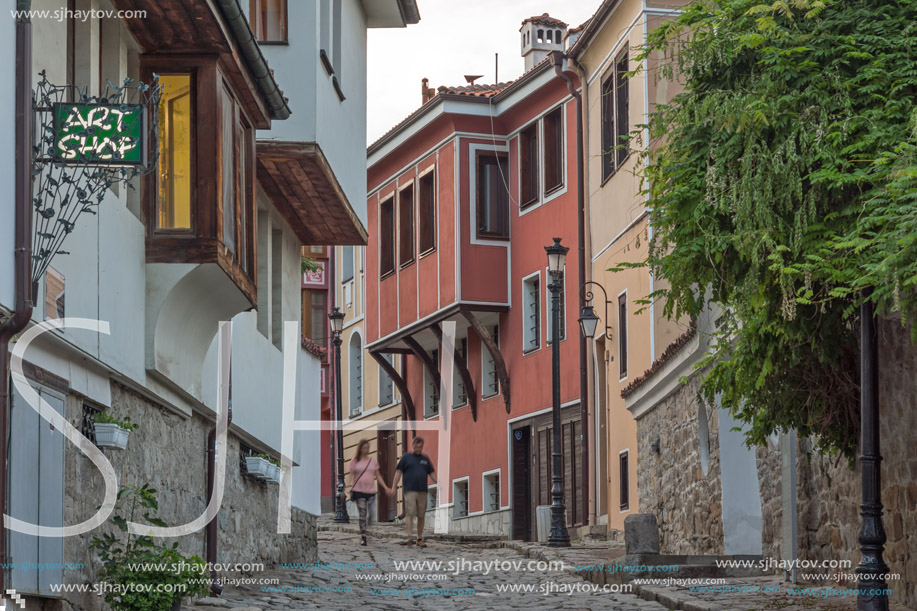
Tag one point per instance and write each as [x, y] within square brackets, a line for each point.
[872, 568]
[556, 255]
[337, 325]
[588, 321]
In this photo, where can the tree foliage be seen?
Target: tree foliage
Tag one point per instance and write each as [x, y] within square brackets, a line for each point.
[783, 178]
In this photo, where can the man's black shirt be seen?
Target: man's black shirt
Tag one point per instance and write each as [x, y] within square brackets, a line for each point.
[414, 471]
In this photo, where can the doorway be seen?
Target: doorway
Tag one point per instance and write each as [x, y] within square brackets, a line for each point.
[522, 483]
[387, 450]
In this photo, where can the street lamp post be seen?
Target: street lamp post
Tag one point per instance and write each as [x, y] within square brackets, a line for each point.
[337, 325]
[559, 536]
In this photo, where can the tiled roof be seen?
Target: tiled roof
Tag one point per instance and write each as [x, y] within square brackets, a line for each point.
[312, 348]
[545, 19]
[674, 348]
[479, 91]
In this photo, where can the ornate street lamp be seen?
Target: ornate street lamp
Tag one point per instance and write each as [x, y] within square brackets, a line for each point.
[337, 325]
[556, 255]
[588, 321]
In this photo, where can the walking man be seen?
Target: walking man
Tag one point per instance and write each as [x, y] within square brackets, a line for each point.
[415, 466]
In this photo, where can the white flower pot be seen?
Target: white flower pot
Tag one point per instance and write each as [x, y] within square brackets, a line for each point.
[275, 474]
[257, 467]
[110, 435]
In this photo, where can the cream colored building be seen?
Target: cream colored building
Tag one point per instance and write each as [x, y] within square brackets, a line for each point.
[618, 231]
[367, 392]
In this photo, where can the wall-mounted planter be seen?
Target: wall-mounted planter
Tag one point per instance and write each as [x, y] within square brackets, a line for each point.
[258, 467]
[110, 435]
[274, 477]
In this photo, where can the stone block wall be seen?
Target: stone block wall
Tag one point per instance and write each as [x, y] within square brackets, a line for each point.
[688, 504]
[670, 478]
[167, 452]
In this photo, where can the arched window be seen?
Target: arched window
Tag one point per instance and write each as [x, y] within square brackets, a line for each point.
[540, 35]
[550, 36]
[557, 37]
[355, 371]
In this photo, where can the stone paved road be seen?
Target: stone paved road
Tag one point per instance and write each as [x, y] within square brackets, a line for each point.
[394, 591]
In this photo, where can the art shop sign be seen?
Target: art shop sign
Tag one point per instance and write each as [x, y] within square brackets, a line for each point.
[100, 134]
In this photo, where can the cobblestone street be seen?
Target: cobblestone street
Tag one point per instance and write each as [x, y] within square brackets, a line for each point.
[349, 576]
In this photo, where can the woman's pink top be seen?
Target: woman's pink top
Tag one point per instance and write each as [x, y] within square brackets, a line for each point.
[367, 482]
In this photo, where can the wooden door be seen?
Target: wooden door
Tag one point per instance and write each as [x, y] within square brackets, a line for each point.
[523, 508]
[386, 442]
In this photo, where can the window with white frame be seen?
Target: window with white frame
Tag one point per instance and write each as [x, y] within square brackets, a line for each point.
[355, 362]
[459, 394]
[432, 497]
[491, 491]
[386, 386]
[490, 384]
[549, 308]
[430, 391]
[460, 498]
[347, 263]
[531, 312]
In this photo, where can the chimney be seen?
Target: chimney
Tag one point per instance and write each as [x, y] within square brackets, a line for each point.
[540, 36]
[427, 92]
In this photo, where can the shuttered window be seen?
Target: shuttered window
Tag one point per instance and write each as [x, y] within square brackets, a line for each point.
[492, 196]
[615, 117]
[427, 213]
[528, 166]
[406, 225]
[387, 237]
[553, 150]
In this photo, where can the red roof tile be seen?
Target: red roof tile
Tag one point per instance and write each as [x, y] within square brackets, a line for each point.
[479, 91]
[545, 19]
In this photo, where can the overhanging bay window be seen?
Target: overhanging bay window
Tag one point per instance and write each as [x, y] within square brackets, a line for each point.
[199, 206]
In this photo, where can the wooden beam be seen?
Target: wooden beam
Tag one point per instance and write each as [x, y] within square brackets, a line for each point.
[406, 400]
[488, 340]
[432, 367]
[463, 372]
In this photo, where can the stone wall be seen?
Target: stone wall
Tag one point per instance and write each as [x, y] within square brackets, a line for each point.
[688, 504]
[670, 478]
[168, 453]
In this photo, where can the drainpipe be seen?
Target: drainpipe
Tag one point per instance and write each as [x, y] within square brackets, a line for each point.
[332, 457]
[557, 58]
[211, 532]
[22, 309]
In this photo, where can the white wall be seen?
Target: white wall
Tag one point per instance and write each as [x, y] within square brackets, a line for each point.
[318, 114]
[306, 477]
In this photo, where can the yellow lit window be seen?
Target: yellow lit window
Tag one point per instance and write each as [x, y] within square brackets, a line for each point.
[174, 211]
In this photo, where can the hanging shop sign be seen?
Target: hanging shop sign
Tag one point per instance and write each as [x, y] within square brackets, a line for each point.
[100, 134]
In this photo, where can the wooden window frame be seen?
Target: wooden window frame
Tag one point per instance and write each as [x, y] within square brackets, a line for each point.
[615, 117]
[529, 346]
[500, 160]
[406, 225]
[622, 335]
[254, 18]
[204, 242]
[387, 268]
[553, 124]
[624, 480]
[528, 166]
[426, 211]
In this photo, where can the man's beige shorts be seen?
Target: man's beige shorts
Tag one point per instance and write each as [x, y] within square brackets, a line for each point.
[415, 503]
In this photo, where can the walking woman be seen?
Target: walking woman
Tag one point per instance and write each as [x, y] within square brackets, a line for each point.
[364, 473]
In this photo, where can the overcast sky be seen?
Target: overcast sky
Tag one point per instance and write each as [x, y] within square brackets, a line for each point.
[453, 38]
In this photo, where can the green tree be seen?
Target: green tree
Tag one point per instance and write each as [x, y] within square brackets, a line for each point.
[782, 179]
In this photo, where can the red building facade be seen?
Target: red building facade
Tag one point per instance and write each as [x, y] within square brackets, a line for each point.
[463, 197]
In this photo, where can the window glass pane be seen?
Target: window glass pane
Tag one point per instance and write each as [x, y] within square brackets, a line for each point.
[427, 224]
[608, 127]
[406, 221]
[493, 197]
[268, 20]
[175, 152]
[319, 316]
[553, 150]
[346, 263]
[623, 122]
[387, 237]
[528, 165]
